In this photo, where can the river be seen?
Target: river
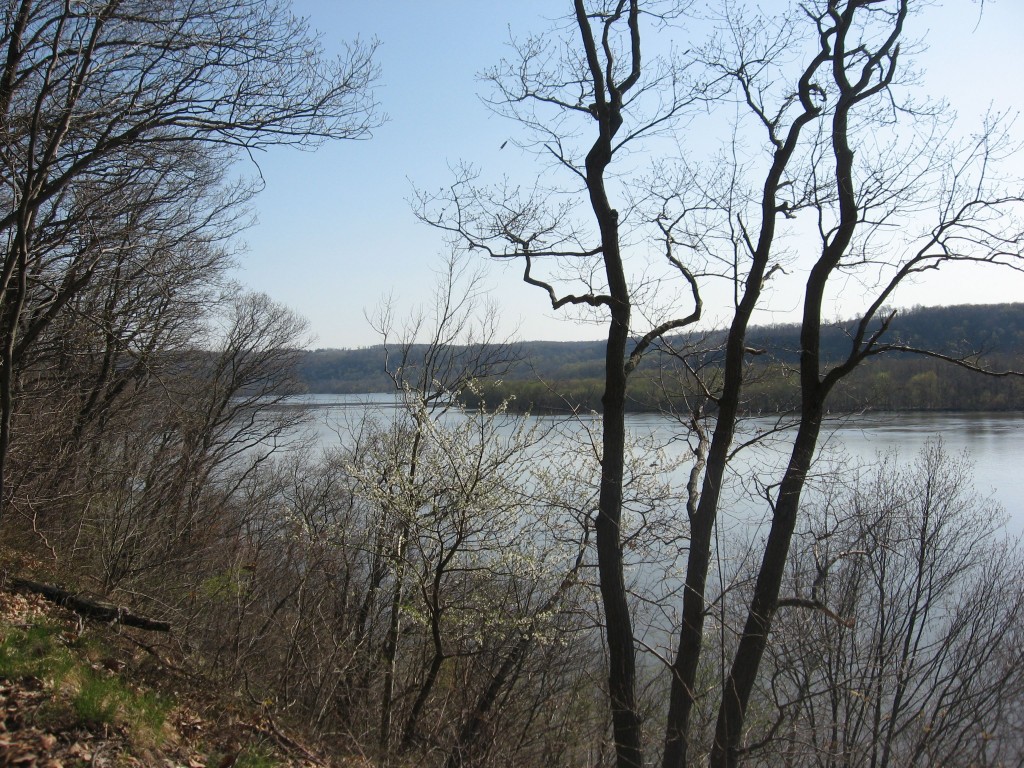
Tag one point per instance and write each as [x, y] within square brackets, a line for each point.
[993, 442]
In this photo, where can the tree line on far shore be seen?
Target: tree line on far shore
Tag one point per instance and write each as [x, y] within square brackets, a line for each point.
[564, 376]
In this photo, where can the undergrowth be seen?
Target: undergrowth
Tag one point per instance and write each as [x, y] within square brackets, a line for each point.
[96, 698]
[71, 692]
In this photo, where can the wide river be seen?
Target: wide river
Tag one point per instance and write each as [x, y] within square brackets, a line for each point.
[993, 442]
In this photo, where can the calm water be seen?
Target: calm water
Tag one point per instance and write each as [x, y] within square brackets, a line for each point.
[994, 442]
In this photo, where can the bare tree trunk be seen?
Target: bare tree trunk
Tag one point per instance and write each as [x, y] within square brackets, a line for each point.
[7, 84]
[472, 729]
[747, 661]
[435, 608]
[684, 678]
[12, 304]
[813, 389]
[626, 724]
[618, 625]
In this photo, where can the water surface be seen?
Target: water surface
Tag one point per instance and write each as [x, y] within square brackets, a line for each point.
[994, 442]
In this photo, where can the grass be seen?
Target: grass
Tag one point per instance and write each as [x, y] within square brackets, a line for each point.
[66, 678]
[97, 699]
[256, 757]
[250, 757]
[36, 651]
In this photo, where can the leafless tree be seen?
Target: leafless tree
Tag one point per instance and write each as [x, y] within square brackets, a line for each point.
[107, 107]
[843, 158]
[604, 85]
[457, 592]
[917, 661]
[822, 137]
[146, 488]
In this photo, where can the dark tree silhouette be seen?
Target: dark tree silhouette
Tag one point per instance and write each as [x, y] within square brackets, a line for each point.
[107, 108]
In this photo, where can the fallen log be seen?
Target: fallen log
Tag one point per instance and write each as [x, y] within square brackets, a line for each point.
[91, 609]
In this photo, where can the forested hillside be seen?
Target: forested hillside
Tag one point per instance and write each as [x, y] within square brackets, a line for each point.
[552, 375]
[443, 585]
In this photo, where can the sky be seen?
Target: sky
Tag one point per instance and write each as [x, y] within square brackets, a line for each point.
[335, 233]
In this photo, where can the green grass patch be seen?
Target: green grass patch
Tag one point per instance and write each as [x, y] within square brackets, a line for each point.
[99, 699]
[149, 710]
[81, 693]
[257, 756]
[103, 699]
[35, 651]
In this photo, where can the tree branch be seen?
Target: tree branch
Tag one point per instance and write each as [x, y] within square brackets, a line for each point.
[91, 609]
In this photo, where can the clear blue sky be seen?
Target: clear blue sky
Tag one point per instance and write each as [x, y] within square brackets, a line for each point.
[336, 232]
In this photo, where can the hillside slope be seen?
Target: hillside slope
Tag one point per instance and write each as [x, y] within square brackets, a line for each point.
[76, 693]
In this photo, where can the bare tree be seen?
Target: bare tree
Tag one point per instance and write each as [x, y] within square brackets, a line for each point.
[917, 661]
[600, 86]
[108, 106]
[458, 592]
[822, 87]
[148, 490]
[855, 192]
